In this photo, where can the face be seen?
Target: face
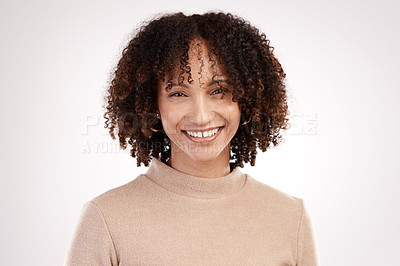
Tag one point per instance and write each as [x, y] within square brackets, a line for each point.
[199, 118]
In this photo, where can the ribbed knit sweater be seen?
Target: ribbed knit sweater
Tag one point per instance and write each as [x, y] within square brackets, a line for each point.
[166, 217]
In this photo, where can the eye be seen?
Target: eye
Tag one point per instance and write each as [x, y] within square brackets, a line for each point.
[176, 94]
[219, 91]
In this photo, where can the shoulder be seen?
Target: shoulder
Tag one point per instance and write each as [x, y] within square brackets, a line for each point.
[274, 200]
[122, 196]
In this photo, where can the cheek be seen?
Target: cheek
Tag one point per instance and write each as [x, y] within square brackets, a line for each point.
[170, 117]
[232, 110]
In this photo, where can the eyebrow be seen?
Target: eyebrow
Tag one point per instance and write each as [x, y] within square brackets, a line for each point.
[208, 85]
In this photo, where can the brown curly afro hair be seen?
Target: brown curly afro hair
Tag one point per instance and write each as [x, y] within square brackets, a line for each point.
[160, 46]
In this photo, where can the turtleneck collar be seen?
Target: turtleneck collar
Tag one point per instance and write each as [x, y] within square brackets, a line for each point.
[194, 186]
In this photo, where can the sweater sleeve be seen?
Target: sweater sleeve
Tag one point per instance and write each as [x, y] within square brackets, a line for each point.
[91, 243]
[307, 253]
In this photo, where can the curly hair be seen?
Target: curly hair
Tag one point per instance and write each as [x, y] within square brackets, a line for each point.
[160, 46]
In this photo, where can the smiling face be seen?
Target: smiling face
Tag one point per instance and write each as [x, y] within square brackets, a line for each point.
[199, 118]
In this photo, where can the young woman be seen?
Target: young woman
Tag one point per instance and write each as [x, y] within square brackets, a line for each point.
[196, 96]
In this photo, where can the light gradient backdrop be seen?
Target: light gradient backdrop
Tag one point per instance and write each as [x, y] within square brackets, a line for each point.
[341, 154]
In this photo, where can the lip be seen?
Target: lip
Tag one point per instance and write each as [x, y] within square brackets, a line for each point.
[206, 139]
[206, 129]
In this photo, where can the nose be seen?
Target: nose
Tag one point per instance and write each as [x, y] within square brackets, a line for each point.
[201, 114]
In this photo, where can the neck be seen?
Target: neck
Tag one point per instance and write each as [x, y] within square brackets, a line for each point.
[217, 167]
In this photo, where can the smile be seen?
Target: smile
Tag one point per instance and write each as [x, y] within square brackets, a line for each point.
[202, 136]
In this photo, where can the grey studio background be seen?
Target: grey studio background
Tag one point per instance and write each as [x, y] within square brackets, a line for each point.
[340, 156]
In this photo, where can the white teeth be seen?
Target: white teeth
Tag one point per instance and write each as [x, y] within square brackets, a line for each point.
[203, 134]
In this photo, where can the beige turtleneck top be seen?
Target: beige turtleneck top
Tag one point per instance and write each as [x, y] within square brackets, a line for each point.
[166, 217]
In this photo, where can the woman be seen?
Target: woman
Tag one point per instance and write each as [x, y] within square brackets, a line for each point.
[196, 96]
